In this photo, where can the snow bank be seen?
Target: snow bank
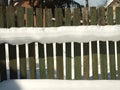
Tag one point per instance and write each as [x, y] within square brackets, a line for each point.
[60, 34]
[60, 85]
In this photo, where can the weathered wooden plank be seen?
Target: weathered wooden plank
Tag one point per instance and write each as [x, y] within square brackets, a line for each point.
[68, 45]
[2, 51]
[22, 55]
[10, 16]
[59, 47]
[13, 63]
[77, 47]
[3, 75]
[118, 43]
[103, 52]
[12, 49]
[1, 18]
[32, 64]
[29, 17]
[68, 61]
[50, 60]
[42, 61]
[20, 17]
[39, 13]
[86, 46]
[111, 46]
[93, 18]
[76, 17]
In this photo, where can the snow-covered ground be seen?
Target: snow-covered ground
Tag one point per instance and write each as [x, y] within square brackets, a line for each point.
[60, 85]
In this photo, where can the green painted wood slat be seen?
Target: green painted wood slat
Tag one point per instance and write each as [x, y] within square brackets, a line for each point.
[22, 53]
[32, 62]
[59, 47]
[118, 43]
[77, 46]
[111, 46]
[68, 46]
[103, 51]
[93, 18]
[50, 60]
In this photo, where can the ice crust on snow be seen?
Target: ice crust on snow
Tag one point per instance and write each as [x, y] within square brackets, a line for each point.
[60, 34]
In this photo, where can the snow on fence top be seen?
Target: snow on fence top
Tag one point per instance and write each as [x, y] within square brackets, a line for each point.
[60, 34]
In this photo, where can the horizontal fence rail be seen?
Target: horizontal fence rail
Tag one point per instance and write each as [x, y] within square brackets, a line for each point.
[93, 60]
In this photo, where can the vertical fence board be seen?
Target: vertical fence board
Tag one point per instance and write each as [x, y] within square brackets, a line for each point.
[13, 63]
[30, 23]
[111, 46]
[22, 54]
[93, 18]
[39, 17]
[20, 17]
[2, 52]
[77, 49]
[68, 46]
[118, 43]
[42, 61]
[32, 63]
[39, 23]
[50, 61]
[12, 49]
[86, 46]
[59, 47]
[1, 18]
[103, 52]
[3, 75]
[10, 16]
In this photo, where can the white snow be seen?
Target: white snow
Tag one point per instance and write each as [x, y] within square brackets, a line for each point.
[36, 84]
[60, 34]
[95, 3]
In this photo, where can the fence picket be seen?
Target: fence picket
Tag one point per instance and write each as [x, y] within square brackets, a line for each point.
[68, 46]
[10, 16]
[59, 47]
[3, 75]
[118, 43]
[1, 18]
[103, 51]
[111, 46]
[77, 46]
[86, 46]
[32, 62]
[50, 60]
[93, 18]
[39, 22]
[22, 55]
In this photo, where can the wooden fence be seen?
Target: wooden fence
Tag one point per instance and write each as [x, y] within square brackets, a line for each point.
[72, 60]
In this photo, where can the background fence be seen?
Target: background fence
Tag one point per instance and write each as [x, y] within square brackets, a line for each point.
[95, 60]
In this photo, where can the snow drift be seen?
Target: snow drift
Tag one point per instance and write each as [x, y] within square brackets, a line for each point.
[60, 34]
